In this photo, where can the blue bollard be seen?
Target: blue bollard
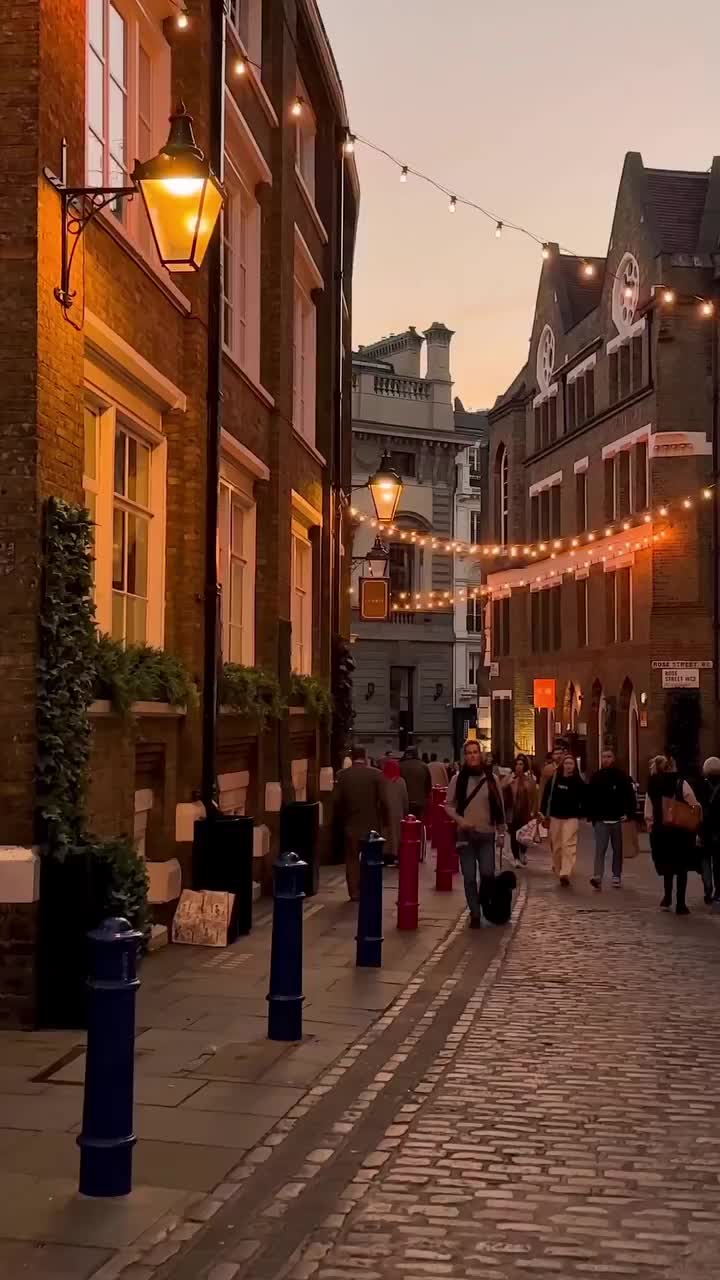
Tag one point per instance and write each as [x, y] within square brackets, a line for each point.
[107, 1139]
[370, 934]
[285, 997]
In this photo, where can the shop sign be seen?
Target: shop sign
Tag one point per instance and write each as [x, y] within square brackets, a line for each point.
[544, 694]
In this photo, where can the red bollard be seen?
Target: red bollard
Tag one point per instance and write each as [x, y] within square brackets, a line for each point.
[446, 857]
[408, 874]
[437, 800]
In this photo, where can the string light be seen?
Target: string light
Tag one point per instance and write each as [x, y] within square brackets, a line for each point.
[707, 308]
[707, 493]
[453, 204]
[498, 230]
[588, 269]
[297, 107]
[404, 173]
[349, 144]
[546, 251]
[668, 296]
[182, 22]
[241, 67]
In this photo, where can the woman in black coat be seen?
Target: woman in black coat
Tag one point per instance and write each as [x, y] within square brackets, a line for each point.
[672, 848]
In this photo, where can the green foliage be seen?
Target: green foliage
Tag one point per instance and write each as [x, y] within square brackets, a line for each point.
[251, 691]
[65, 675]
[312, 695]
[120, 881]
[140, 673]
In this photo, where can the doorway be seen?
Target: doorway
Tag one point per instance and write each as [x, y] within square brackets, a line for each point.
[402, 717]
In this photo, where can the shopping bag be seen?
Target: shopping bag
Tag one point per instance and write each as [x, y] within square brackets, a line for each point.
[630, 843]
[532, 833]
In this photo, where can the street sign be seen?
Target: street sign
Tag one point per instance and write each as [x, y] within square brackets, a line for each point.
[544, 694]
[374, 599]
[494, 670]
[680, 678]
[682, 665]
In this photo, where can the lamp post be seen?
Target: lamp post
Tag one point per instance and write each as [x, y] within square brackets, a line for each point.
[377, 560]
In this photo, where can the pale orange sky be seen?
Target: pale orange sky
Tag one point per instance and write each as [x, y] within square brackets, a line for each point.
[527, 108]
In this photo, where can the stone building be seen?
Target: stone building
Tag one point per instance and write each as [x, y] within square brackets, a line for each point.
[601, 454]
[404, 676]
[472, 705]
[106, 404]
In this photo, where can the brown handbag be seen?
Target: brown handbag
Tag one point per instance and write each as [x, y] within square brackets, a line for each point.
[677, 813]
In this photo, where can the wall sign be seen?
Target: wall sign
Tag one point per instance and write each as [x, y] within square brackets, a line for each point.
[682, 665]
[680, 678]
[544, 694]
[374, 599]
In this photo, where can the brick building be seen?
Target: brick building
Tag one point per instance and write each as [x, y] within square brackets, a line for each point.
[107, 404]
[605, 569]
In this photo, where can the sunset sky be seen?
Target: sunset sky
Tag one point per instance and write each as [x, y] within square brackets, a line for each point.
[527, 108]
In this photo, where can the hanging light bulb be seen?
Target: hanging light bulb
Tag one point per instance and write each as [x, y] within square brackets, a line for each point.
[498, 230]
[668, 296]
[707, 493]
[241, 67]
[182, 21]
[404, 173]
[588, 269]
[349, 144]
[707, 309]
[296, 108]
[453, 204]
[546, 251]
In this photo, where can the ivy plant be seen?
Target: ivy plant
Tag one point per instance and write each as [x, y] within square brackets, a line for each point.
[251, 691]
[65, 675]
[140, 673]
[312, 695]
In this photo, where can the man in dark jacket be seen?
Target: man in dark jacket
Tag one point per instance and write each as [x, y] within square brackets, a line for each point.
[610, 801]
[360, 807]
[417, 780]
[710, 832]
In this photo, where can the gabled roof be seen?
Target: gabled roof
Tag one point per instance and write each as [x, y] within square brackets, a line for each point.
[582, 291]
[675, 203]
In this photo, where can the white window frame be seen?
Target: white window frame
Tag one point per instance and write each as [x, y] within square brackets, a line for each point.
[140, 419]
[307, 277]
[143, 28]
[241, 275]
[475, 517]
[305, 134]
[476, 664]
[301, 606]
[236, 492]
[245, 18]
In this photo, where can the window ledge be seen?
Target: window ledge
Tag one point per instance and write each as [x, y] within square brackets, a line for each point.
[310, 203]
[314, 453]
[104, 707]
[251, 382]
[159, 276]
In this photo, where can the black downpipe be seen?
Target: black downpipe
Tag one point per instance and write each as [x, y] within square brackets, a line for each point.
[214, 418]
[337, 480]
[715, 358]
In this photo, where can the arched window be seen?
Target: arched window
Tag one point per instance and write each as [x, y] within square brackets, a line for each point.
[502, 495]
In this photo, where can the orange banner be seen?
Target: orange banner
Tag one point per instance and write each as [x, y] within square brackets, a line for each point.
[544, 694]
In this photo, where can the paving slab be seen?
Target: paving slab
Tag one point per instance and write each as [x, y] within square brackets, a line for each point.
[41, 1261]
[52, 1210]
[246, 1099]
[205, 1127]
[59, 1110]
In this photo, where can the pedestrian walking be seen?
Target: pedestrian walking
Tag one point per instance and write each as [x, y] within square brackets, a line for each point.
[520, 797]
[672, 829]
[360, 807]
[610, 802]
[710, 831]
[417, 780]
[553, 760]
[438, 772]
[396, 801]
[475, 805]
[563, 804]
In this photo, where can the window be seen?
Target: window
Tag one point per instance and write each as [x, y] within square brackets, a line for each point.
[613, 378]
[581, 497]
[401, 702]
[535, 517]
[241, 271]
[131, 536]
[245, 16]
[476, 667]
[636, 345]
[402, 565]
[555, 521]
[502, 496]
[609, 503]
[580, 399]
[501, 628]
[622, 483]
[475, 616]
[307, 278]
[305, 140]
[236, 565]
[625, 368]
[545, 619]
[640, 476]
[301, 604]
[475, 526]
[618, 605]
[404, 463]
[127, 100]
[475, 464]
[581, 591]
[91, 452]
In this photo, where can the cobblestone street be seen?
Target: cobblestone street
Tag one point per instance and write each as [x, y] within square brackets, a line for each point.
[559, 1118]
